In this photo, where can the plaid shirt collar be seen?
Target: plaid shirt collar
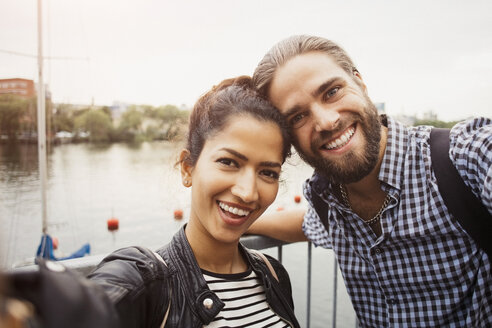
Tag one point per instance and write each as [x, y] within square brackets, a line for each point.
[392, 167]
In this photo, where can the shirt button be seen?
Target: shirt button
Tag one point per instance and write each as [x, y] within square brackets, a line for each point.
[378, 250]
[208, 303]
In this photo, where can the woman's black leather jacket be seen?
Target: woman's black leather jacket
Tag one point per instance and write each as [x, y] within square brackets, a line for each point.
[141, 286]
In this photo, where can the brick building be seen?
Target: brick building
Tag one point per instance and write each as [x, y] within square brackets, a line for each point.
[20, 87]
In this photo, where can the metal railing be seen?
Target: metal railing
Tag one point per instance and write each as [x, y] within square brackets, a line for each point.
[262, 242]
[84, 265]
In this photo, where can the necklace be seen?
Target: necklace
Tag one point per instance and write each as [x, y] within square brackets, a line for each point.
[376, 217]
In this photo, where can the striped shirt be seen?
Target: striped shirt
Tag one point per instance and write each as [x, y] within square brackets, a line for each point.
[245, 301]
[424, 270]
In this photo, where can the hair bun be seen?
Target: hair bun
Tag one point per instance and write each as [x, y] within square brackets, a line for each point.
[243, 81]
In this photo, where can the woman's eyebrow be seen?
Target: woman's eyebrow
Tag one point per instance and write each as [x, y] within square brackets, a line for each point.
[271, 164]
[244, 158]
[235, 153]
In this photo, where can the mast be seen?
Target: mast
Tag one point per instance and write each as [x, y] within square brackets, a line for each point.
[41, 122]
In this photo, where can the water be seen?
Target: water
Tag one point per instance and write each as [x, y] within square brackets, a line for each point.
[139, 185]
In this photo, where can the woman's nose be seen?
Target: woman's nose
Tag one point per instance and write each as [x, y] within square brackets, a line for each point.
[245, 187]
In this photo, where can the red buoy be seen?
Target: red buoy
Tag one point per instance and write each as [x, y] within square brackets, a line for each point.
[55, 243]
[178, 214]
[113, 224]
[297, 198]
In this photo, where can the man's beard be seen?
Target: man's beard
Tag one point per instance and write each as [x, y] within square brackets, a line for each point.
[353, 166]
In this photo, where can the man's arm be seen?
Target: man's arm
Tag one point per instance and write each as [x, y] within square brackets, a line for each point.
[283, 225]
[470, 149]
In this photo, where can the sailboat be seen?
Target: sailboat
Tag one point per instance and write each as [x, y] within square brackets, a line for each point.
[45, 248]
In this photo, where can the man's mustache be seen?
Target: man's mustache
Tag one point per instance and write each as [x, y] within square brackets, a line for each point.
[325, 136]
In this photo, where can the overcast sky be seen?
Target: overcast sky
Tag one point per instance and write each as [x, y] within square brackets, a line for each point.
[415, 55]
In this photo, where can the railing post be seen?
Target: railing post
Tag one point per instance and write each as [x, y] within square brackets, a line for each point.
[335, 283]
[308, 310]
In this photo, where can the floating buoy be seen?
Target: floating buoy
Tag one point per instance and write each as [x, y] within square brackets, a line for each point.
[55, 243]
[178, 214]
[113, 224]
[280, 208]
[297, 198]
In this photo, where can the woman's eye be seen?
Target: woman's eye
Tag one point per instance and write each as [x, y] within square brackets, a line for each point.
[270, 174]
[227, 162]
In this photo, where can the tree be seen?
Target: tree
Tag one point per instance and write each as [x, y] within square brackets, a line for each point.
[172, 121]
[97, 123]
[63, 118]
[12, 110]
[436, 123]
[130, 125]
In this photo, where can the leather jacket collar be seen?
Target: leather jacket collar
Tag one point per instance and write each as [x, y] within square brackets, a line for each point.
[180, 258]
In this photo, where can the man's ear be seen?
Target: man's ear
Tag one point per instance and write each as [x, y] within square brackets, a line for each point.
[185, 167]
[358, 79]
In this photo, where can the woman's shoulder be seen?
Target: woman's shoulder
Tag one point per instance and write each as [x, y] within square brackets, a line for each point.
[138, 257]
[128, 269]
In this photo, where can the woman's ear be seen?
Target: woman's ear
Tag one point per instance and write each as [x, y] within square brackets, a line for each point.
[185, 168]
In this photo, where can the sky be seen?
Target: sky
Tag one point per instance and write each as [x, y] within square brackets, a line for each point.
[415, 56]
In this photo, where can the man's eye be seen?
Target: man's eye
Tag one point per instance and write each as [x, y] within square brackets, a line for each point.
[227, 162]
[297, 120]
[330, 93]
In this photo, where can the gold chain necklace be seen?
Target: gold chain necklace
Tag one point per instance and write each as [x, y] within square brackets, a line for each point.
[377, 217]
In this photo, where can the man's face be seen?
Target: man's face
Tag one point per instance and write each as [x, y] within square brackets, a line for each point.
[335, 125]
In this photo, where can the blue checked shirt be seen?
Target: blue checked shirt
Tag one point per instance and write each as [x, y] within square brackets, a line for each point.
[424, 270]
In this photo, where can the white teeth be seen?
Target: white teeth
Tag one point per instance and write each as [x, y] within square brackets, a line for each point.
[342, 140]
[233, 210]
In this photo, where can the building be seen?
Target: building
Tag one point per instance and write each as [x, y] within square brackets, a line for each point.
[20, 87]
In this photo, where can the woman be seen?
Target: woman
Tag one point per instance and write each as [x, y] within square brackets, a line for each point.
[204, 277]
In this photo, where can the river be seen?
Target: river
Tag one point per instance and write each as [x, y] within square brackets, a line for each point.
[139, 185]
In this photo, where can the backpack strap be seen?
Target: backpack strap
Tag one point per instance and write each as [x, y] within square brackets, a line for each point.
[470, 212]
[163, 324]
[267, 262]
[321, 208]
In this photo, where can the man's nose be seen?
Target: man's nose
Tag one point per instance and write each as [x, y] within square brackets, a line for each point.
[245, 187]
[325, 118]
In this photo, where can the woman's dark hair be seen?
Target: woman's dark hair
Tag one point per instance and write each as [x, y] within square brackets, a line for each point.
[231, 97]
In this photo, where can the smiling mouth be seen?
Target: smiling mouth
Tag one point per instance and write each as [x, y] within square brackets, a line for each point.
[233, 211]
[340, 141]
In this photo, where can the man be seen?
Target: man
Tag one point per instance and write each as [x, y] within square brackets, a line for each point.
[405, 260]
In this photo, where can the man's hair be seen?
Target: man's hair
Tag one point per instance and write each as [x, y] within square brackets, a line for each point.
[293, 46]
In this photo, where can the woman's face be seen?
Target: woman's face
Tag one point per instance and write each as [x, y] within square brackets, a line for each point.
[235, 178]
